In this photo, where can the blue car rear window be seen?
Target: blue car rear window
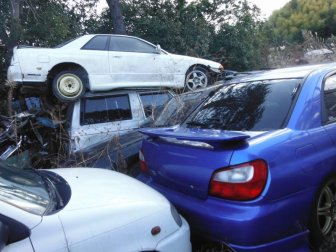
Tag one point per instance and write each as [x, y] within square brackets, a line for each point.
[253, 106]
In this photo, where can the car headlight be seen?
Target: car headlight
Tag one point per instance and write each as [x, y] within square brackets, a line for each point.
[176, 215]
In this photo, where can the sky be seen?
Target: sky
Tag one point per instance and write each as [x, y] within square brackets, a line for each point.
[266, 6]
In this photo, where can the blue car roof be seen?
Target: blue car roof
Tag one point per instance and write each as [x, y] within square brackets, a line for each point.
[288, 73]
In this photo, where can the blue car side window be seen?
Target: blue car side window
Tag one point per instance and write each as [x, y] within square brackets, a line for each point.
[330, 98]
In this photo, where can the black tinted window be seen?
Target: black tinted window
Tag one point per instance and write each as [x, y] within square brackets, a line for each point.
[153, 103]
[105, 109]
[330, 98]
[255, 106]
[126, 44]
[97, 43]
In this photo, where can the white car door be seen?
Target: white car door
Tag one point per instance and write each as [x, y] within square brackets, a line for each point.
[168, 68]
[134, 62]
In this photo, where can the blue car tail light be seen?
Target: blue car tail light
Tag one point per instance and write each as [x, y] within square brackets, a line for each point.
[241, 182]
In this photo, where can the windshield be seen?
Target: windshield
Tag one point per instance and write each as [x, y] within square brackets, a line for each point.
[24, 189]
[180, 106]
[252, 106]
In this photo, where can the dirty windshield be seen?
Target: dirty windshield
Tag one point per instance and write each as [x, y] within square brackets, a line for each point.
[24, 189]
[179, 107]
[254, 106]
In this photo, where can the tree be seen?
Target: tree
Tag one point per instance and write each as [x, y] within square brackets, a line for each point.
[117, 18]
[240, 41]
[318, 16]
[15, 10]
[217, 29]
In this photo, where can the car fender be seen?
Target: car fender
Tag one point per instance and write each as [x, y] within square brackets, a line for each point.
[186, 62]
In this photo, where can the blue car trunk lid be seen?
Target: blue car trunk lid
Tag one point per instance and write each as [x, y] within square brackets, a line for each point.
[184, 159]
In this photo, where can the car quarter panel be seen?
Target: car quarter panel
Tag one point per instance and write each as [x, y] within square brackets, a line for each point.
[41, 61]
[191, 178]
[94, 62]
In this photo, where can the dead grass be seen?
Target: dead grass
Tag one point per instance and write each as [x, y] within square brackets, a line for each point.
[294, 54]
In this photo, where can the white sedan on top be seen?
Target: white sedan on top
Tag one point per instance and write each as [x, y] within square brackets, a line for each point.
[85, 209]
[103, 62]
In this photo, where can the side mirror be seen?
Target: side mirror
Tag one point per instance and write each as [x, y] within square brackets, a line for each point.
[158, 49]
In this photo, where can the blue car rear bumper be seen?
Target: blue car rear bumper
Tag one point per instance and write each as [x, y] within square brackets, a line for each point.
[298, 242]
[246, 226]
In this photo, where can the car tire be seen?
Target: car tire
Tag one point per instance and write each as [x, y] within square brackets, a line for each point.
[69, 85]
[197, 77]
[323, 217]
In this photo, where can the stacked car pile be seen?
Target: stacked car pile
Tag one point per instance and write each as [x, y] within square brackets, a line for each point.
[249, 164]
[115, 84]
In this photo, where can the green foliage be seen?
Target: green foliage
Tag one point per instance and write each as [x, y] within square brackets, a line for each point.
[175, 25]
[45, 23]
[241, 43]
[42, 23]
[315, 15]
[219, 29]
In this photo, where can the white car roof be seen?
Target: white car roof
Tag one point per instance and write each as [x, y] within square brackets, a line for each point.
[81, 41]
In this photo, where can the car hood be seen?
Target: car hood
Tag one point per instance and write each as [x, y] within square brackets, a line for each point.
[96, 188]
[108, 211]
[193, 60]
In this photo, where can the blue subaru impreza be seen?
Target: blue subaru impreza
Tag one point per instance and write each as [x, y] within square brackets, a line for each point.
[254, 166]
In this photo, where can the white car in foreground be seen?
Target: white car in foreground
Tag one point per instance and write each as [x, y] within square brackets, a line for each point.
[84, 209]
[104, 62]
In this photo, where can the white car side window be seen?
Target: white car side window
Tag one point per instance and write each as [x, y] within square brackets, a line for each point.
[127, 44]
[97, 43]
[96, 110]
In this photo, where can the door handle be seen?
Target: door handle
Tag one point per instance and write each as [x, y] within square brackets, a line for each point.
[117, 57]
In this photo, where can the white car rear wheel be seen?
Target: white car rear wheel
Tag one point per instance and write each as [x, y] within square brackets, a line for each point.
[68, 86]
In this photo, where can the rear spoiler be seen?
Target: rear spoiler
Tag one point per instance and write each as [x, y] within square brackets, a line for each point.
[215, 138]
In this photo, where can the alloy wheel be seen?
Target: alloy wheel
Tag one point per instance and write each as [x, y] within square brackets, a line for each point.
[326, 212]
[196, 79]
